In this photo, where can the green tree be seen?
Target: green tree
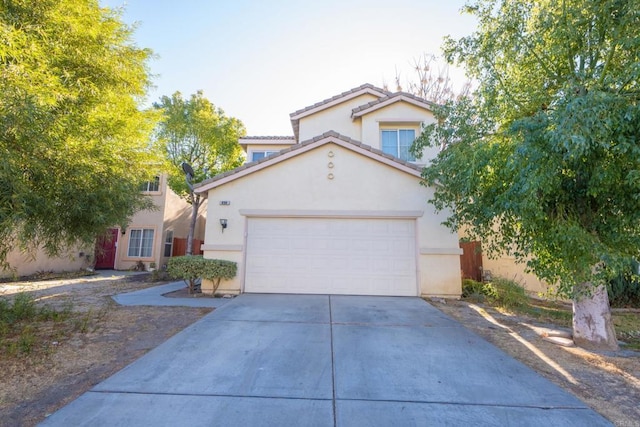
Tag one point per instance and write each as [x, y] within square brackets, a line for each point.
[195, 132]
[544, 161]
[73, 142]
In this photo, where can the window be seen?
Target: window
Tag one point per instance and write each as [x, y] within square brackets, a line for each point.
[257, 155]
[151, 185]
[168, 243]
[397, 143]
[141, 243]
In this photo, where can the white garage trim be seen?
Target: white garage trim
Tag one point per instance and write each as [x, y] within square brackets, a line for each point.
[331, 255]
[277, 213]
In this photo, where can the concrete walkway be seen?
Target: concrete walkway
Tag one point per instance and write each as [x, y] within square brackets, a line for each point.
[317, 360]
[154, 296]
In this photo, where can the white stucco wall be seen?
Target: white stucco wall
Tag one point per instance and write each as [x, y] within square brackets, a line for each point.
[360, 184]
[337, 118]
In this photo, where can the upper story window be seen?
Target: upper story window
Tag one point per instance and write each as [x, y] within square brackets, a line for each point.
[257, 155]
[150, 186]
[397, 143]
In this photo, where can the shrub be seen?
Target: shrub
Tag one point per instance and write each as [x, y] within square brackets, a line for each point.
[509, 294]
[478, 291]
[624, 289]
[191, 268]
[503, 292]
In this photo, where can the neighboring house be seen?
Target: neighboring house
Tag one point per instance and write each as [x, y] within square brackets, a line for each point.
[336, 209]
[27, 264]
[152, 236]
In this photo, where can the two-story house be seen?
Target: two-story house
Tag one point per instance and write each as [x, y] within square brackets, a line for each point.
[152, 236]
[337, 208]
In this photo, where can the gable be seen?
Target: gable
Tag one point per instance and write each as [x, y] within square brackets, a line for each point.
[331, 137]
[329, 176]
[367, 92]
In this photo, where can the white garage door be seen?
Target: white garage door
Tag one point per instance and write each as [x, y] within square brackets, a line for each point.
[331, 256]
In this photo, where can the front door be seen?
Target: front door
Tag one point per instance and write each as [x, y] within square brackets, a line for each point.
[106, 250]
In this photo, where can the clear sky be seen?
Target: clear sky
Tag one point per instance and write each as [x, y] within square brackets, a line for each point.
[260, 60]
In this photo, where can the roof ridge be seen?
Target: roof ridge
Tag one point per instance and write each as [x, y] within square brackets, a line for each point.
[340, 95]
[388, 97]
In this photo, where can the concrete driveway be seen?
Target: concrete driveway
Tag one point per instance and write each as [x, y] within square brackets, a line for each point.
[317, 360]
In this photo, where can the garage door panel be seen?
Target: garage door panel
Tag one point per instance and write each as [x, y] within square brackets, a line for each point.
[331, 255]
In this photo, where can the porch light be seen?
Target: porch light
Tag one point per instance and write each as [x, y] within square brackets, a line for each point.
[223, 223]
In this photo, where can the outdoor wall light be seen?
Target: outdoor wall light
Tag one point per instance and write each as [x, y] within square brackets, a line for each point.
[223, 223]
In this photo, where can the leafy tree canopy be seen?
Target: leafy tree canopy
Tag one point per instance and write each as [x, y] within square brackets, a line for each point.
[194, 131]
[73, 141]
[544, 160]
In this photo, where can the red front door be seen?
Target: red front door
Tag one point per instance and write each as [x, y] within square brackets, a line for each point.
[106, 250]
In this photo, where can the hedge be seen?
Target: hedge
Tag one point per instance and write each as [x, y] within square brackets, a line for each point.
[190, 268]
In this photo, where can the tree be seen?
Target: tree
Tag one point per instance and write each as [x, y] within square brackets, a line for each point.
[73, 141]
[429, 80]
[544, 161]
[195, 132]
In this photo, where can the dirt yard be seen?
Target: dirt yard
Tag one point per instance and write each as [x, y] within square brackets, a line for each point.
[609, 383]
[112, 336]
[109, 338]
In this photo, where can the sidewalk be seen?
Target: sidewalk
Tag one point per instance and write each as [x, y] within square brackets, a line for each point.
[154, 296]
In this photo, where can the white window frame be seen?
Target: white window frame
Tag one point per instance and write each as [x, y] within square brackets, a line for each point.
[397, 130]
[168, 243]
[151, 186]
[265, 153]
[138, 251]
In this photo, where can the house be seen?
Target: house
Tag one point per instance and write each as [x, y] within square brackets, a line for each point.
[337, 208]
[151, 236]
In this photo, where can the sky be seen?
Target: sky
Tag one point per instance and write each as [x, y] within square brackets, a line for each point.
[260, 60]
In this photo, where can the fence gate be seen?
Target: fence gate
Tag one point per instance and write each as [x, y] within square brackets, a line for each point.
[471, 260]
[180, 247]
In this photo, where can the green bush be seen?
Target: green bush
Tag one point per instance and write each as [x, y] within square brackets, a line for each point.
[624, 289]
[477, 291]
[509, 294]
[191, 268]
[503, 292]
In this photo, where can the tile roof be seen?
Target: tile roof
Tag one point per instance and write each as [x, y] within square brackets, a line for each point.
[302, 146]
[367, 87]
[392, 97]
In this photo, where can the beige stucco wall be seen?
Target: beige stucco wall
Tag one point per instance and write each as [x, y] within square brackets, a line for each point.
[172, 214]
[506, 266]
[263, 147]
[337, 118]
[401, 115]
[359, 184]
[26, 264]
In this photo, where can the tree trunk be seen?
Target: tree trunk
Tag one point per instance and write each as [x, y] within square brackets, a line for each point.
[592, 325]
[195, 206]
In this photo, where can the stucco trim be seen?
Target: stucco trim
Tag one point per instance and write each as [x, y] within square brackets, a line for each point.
[440, 251]
[291, 213]
[230, 248]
